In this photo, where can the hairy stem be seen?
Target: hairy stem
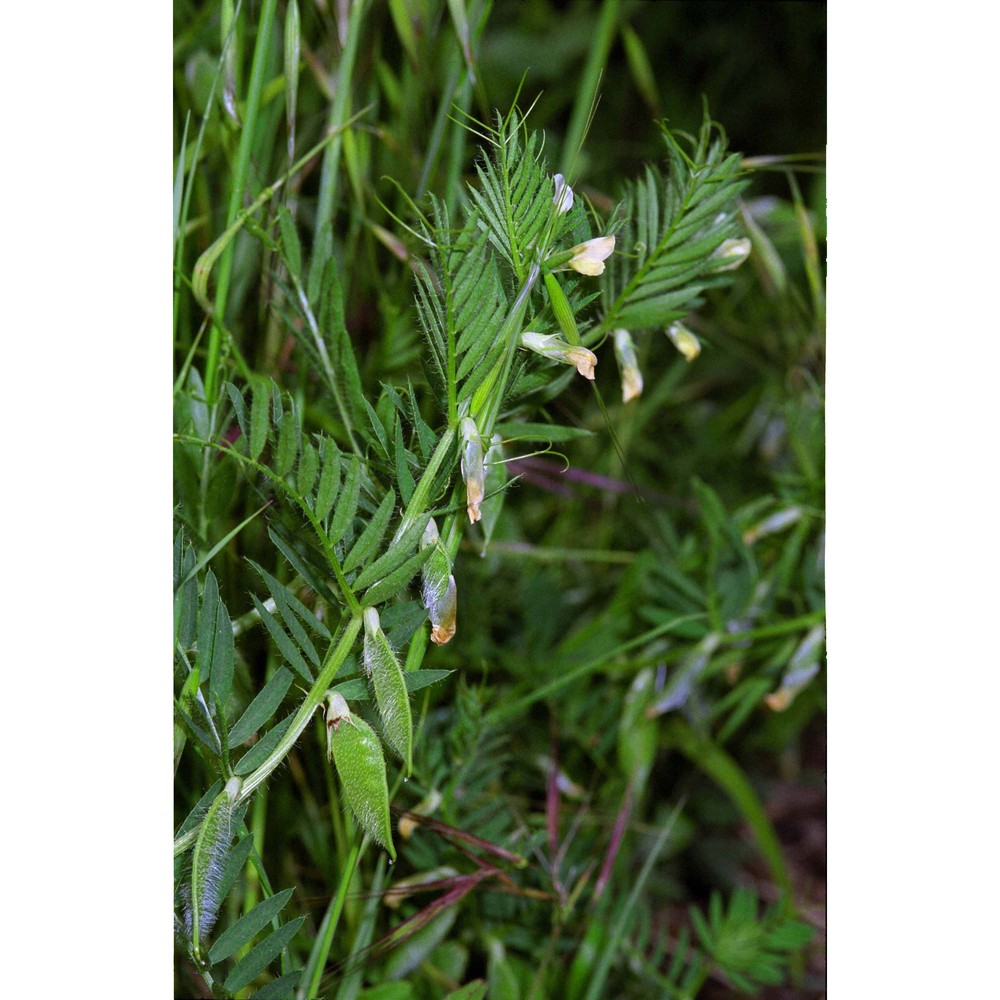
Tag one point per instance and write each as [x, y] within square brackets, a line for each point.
[312, 700]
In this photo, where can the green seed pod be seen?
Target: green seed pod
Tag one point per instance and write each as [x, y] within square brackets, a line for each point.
[357, 755]
[207, 864]
[438, 592]
[391, 696]
[561, 308]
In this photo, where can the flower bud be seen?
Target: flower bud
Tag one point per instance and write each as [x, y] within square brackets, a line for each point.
[438, 593]
[472, 466]
[588, 258]
[563, 199]
[551, 346]
[684, 340]
[773, 524]
[734, 252]
[627, 365]
[802, 668]
[426, 807]
[336, 710]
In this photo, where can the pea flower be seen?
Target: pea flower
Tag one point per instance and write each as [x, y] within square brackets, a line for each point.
[551, 346]
[473, 471]
[684, 340]
[438, 592]
[732, 251]
[588, 258]
[563, 199]
[627, 365]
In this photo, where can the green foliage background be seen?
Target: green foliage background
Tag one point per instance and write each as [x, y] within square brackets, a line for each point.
[636, 703]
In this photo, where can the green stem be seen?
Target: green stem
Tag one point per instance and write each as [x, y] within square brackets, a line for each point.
[203, 266]
[422, 494]
[586, 90]
[312, 700]
[490, 395]
[313, 972]
[626, 913]
[551, 554]
[350, 985]
[779, 628]
[324, 356]
[260, 55]
[338, 116]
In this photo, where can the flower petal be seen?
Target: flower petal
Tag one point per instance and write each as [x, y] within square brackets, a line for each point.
[588, 258]
[563, 199]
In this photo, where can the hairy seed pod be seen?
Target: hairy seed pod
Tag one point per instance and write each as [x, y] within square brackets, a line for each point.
[391, 696]
[207, 863]
[357, 755]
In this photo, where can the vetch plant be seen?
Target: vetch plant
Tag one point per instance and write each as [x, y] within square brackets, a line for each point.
[474, 295]
[376, 466]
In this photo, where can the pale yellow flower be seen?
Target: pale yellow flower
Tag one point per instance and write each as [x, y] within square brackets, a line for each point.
[628, 365]
[684, 340]
[551, 346]
[588, 258]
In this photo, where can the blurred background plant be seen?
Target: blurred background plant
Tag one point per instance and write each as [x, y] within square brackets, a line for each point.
[620, 785]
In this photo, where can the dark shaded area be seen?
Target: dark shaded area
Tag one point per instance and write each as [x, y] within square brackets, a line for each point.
[761, 66]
